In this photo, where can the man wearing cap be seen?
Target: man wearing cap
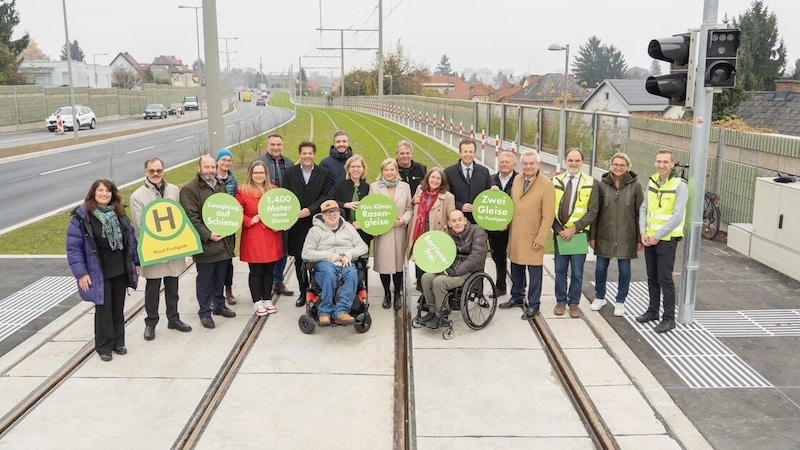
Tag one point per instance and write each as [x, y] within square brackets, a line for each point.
[228, 179]
[339, 153]
[334, 244]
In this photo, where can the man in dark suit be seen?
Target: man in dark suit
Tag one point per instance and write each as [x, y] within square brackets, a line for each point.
[498, 240]
[467, 179]
[310, 183]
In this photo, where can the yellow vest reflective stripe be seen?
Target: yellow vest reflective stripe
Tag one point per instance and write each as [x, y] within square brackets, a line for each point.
[660, 206]
[585, 183]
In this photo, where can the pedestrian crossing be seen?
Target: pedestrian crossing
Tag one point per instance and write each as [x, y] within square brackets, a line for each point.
[25, 305]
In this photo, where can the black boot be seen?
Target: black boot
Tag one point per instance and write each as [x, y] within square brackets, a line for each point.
[387, 301]
[398, 299]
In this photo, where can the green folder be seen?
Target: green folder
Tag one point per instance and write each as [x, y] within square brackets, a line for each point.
[578, 245]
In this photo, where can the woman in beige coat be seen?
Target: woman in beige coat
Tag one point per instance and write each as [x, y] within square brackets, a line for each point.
[433, 202]
[533, 195]
[390, 248]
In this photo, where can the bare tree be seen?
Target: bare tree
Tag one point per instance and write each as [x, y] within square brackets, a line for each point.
[199, 146]
[256, 129]
[125, 78]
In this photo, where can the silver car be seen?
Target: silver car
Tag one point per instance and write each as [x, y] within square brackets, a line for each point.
[154, 110]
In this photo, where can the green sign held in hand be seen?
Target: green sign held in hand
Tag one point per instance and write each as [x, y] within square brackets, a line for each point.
[493, 210]
[434, 251]
[222, 214]
[278, 209]
[376, 214]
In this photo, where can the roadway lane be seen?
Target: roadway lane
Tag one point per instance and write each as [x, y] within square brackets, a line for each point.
[40, 184]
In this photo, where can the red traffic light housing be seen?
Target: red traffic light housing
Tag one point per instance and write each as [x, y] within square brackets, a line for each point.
[721, 53]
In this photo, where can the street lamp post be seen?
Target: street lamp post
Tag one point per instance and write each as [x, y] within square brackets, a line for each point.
[391, 83]
[94, 63]
[562, 135]
[197, 31]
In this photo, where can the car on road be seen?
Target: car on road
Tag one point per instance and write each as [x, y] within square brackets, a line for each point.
[191, 102]
[175, 108]
[154, 110]
[261, 101]
[86, 118]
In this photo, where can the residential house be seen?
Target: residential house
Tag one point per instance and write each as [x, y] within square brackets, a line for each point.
[173, 69]
[126, 61]
[56, 73]
[451, 86]
[629, 96]
[777, 110]
[548, 90]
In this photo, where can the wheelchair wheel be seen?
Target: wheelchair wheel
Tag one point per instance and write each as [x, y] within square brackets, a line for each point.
[364, 326]
[307, 324]
[478, 300]
[448, 333]
[415, 323]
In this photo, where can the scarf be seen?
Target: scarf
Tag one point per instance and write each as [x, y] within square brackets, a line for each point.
[110, 222]
[388, 184]
[351, 214]
[426, 201]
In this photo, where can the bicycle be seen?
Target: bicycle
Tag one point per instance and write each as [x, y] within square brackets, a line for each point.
[711, 213]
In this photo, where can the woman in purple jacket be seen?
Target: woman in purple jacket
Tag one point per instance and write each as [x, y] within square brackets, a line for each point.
[101, 250]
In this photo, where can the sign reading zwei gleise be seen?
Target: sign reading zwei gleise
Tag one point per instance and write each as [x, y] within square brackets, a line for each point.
[167, 233]
[493, 210]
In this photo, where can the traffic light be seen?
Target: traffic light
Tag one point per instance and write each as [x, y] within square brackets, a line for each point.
[678, 85]
[721, 58]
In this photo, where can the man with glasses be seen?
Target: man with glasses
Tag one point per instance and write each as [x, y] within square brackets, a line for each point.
[334, 245]
[156, 187]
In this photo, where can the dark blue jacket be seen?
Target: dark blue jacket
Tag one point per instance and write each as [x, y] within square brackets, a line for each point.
[334, 162]
[83, 259]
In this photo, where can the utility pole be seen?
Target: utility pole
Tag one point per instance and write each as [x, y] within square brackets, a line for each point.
[342, 48]
[227, 57]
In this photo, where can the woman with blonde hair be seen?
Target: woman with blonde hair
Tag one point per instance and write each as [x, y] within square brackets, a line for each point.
[261, 247]
[390, 248]
[349, 192]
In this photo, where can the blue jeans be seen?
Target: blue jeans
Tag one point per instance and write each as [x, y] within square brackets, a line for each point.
[601, 274]
[518, 284]
[562, 263]
[328, 275]
[280, 266]
[209, 284]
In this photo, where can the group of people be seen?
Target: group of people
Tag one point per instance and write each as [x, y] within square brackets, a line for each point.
[617, 219]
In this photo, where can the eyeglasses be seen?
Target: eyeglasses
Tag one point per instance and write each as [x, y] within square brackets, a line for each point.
[331, 212]
[226, 160]
[155, 171]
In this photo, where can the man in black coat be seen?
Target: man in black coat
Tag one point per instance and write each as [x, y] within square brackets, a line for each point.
[498, 240]
[411, 171]
[311, 184]
[467, 179]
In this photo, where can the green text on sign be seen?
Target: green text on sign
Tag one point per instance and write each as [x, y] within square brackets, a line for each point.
[222, 214]
[278, 209]
[434, 251]
[493, 210]
[376, 214]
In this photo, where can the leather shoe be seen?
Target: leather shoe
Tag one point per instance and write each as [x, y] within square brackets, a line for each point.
[207, 322]
[280, 289]
[301, 301]
[224, 312]
[427, 318]
[149, 333]
[345, 319]
[664, 326]
[177, 324]
[419, 286]
[510, 304]
[647, 317]
[499, 293]
[398, 300]
[121, 350]
[530, 313]
[387, 301]
[105, 356]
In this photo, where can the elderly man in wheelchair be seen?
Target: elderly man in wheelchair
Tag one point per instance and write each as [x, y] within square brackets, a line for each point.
[333, 245]
[464, 281]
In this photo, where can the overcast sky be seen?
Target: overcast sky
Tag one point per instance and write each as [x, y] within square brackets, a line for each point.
[509, 34]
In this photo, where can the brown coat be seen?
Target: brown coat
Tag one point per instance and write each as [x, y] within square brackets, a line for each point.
[390, 248]
[437, 217]
[534, 212]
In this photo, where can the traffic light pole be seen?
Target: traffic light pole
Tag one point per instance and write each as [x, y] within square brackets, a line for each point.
[698, 161]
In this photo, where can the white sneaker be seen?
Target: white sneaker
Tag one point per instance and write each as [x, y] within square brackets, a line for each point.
[260, 308]
[619, 309]
[269, 306]
[597, 304]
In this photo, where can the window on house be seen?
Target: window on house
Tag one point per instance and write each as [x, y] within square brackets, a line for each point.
[606, 95]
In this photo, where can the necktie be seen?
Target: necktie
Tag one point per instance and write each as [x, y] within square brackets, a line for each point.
[564, 210]
[469, 174]
[526, 185]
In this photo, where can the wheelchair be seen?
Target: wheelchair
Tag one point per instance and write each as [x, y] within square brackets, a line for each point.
[359, 310]
[476, 298]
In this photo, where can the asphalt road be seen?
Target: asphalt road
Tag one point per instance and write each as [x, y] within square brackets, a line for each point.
[39, 184]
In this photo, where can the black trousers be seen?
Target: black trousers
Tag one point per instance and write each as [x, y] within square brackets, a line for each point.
[660, 259]
[152, 292]
[210, 284]
[298, 271]
[109, 318]
[260, 280]
[498, 243]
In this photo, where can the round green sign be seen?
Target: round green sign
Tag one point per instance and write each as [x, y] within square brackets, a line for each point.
[222, 214]
[493, 210]
[278, 209]
[434, 251]
[376, 214]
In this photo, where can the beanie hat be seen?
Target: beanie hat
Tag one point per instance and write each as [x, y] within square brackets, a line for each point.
[223, 153]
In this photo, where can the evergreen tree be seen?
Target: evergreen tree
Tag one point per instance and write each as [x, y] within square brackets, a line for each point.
[596, 62]
[762, 55]
[75, 52]
[444, 66]
[10, 49]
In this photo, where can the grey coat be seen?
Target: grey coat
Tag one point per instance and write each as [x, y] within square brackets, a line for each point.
[616, 229]
[322, 241]
[139, 201]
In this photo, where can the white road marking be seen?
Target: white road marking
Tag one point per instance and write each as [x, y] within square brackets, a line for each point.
[65, 168]
[183, 139]
[140, 150]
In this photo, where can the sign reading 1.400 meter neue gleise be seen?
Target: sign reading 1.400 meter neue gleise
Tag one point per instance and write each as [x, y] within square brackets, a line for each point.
[493, 210]
[278, 209]
[222, 214]
[376, 214]
[434, 251]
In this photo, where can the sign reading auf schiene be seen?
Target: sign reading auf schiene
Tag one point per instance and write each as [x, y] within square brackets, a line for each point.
[434, 251]
[167, 233]
[222, 214]
[493, 210]
[278, 209]
[376, 214]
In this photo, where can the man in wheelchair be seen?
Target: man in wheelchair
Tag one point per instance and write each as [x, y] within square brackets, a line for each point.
[471, 248]
[334, 245]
